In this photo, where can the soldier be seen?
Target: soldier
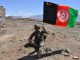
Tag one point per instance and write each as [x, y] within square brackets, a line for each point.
[39, 38]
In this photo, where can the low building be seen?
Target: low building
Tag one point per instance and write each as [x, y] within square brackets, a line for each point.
[2, 16]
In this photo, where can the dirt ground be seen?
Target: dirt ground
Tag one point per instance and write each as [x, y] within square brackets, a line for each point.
[17, 32]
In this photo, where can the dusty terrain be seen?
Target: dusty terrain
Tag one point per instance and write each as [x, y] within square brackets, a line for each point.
[16, 33]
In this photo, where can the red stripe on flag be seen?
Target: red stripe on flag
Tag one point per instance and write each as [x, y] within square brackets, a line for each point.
[62, 16]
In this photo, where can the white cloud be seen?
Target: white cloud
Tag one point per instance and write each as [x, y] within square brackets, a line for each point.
[24, 13]
[20, 13]
[8, 14]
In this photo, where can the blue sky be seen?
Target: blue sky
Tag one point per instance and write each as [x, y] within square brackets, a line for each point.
[33, 7]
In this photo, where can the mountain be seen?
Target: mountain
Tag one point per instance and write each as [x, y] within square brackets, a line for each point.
[37, 17]
[41, 17]
[13, 17]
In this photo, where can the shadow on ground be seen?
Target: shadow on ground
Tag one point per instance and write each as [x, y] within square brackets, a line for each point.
[34, 57]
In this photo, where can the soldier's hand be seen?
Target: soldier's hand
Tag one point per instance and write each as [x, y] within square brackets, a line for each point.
[42, 44]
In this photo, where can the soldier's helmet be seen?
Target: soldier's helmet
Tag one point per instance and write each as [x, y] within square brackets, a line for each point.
[37, 26]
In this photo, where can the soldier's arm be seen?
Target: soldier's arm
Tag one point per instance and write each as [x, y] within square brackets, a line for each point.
[31, 36]
[45, 31]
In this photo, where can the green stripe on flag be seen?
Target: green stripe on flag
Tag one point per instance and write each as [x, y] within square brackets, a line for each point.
[72, 18]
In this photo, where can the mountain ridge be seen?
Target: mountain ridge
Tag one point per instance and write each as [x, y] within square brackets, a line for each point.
[41, 17]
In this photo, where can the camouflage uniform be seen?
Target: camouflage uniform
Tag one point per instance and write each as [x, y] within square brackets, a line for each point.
[39, 36]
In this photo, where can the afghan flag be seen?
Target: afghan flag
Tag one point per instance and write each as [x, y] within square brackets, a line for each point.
[58, 15]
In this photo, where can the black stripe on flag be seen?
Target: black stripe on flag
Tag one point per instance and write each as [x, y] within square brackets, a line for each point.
[50, 13]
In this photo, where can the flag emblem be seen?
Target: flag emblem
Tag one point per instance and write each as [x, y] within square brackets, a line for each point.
[63, 15]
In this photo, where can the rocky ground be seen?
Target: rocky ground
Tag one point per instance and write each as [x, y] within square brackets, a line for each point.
[16, 33]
